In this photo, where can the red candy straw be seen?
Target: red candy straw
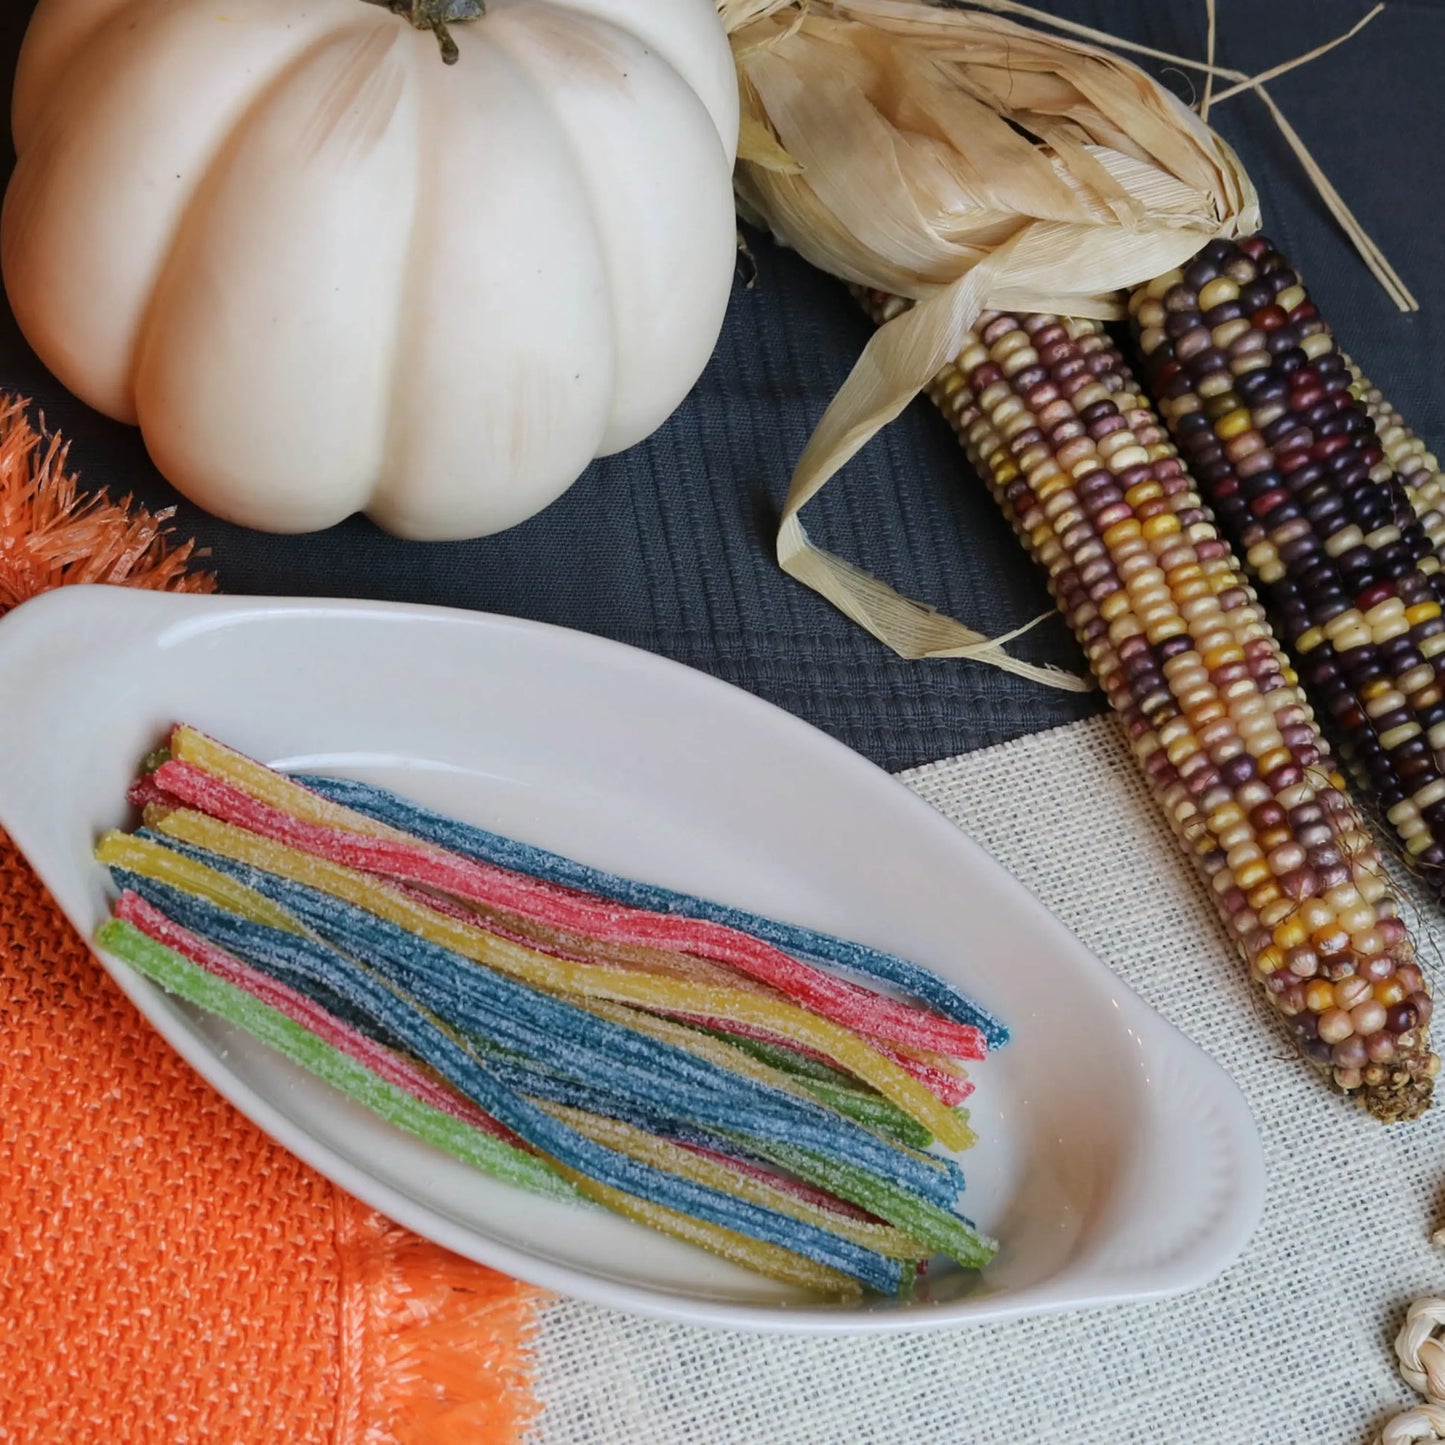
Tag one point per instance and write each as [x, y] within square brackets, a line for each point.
[949, 1087]
[844, 1003]
[558, 943]
[394, 1068]
[382, 1061]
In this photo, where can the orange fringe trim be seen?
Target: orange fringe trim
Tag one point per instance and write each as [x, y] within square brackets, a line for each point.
[432, 1349]
[51, 534]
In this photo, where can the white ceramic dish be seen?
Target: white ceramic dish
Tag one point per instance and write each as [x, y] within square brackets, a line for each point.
[1115, 1161]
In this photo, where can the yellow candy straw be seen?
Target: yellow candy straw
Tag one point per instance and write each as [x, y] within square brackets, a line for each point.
[719, 1052]
[278, 791]
[154, 860]
[268, 786]
[663, 1154]
[556, 974]
[770, 1260]
[714, 1050]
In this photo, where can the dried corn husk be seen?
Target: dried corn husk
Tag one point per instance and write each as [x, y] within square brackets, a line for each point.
[967, 163]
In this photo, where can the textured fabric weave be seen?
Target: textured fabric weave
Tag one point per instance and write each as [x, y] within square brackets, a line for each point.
[168, 1274]
[136, 1202]
[1291, 1346]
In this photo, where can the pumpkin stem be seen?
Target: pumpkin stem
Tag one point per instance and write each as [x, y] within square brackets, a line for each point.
[436, 16]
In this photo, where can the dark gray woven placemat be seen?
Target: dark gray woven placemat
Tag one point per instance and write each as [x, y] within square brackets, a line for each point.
[670, 547]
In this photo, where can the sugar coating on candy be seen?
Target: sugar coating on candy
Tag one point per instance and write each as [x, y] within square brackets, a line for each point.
[514, 1017]
[579, 948]
[147, 794]
[765, 1259]
[871, 1109]
[439, 1048]
[715, 1051]
[555, 974]
[407, 818]
[714, 1169]
[930, 1222]
[140, 856]
[720, 1173]
[825, 1082]
[720, 1099]
[564, 909]
[178, 975]
[186, 980]
[652, 1053]
[121, 850]
[394, 1068]
[829, 1202]
[833, 1179]
[945, 1232]
[693, 1084]
[365, 811]
[940, 1076]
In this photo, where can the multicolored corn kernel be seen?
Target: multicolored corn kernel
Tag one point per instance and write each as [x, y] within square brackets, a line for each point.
[1414, 464]
[1058, 428]
[1259, 399]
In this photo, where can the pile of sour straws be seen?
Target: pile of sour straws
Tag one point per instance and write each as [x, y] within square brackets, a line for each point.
[724, 1078]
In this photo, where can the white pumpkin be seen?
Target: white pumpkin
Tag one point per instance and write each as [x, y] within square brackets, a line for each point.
[326, 272]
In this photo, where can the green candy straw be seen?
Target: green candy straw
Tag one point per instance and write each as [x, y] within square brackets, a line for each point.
[936, 1228]
[187, 980]
[837, 1090]
[789, 1061]
[873, 1110]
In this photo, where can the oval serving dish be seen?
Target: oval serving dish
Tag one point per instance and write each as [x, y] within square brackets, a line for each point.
[1115, 1160]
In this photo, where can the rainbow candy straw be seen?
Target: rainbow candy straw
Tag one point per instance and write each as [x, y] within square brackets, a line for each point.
[922, 1211]
[563, 910]
[340, 1068]
[719, 1172]
[826, 1083]
[180, 976]
[514, 1017]
[947, 1084]
[937, 1072]
[561, 975]
[716, 1170]
[429, 1040]
[803, 943]
[939, 1229]
[720, 1052]
[688, 1065]
[371, 812]
[766, 1259]
[386, 1062]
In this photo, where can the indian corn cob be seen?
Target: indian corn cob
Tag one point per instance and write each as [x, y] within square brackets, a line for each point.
[1057, 427]
[1258, 398]
[1416, 467]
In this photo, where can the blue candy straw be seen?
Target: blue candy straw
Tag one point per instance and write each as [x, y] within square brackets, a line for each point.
[513, 1015]
[429, 1040]
[805, 943]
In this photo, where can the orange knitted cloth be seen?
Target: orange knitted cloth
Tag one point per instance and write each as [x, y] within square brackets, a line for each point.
[167, 1272]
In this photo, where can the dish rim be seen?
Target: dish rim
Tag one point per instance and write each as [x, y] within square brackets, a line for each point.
[154, 614]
